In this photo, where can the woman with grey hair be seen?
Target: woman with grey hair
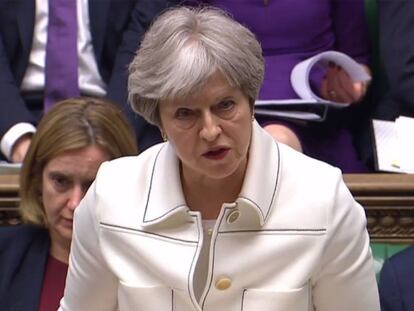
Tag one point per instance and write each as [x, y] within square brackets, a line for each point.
[220, 216]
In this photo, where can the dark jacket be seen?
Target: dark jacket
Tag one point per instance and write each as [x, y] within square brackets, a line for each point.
[397, 282]
[24, 251]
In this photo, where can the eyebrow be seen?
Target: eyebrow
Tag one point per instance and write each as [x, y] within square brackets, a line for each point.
[59, 173]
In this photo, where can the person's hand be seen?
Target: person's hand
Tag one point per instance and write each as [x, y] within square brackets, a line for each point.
[338, 86]
[20, 148]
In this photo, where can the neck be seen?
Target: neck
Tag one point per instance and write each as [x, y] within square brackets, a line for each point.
[59, 249]
[207, 195]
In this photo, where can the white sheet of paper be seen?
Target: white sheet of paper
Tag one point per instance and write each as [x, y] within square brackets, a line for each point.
[299, 115]
[300, 83]
[300, 73]
[387, 145]
[405, 132]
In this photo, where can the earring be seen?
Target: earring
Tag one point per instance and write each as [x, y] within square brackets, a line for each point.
[253, 117]
[164, 136]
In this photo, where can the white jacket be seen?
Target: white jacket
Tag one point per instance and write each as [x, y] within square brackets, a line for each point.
[294, 240]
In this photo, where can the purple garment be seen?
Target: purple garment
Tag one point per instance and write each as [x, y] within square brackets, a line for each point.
[291, 31]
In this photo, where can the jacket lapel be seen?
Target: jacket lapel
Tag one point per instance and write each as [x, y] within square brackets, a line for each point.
[264, 165]
[171, 203]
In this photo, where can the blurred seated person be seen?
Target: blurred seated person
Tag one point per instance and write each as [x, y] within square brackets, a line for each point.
[396, 20]
[221, 220]
[87, 44]
[290, 32]
[71, 142]
[397, 282]
[394, 95]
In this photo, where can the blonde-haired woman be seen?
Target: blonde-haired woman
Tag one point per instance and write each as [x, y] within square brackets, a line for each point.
[71, 142]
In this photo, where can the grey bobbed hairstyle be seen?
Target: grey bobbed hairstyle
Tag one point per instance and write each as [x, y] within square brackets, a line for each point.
[182, 49]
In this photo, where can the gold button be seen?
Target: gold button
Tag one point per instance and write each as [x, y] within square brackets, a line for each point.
[209, 231]
[223, 283]
[233, 216]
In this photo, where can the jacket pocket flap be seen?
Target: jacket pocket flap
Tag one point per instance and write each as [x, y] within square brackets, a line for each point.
[268, 300]
[152, 298]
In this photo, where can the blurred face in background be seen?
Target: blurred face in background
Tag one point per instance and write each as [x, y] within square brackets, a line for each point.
[65, 180]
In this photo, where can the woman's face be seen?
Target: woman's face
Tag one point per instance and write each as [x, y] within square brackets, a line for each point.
[210, 130]
[65, 180]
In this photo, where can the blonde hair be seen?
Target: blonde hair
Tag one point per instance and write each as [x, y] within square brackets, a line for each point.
[71, 124]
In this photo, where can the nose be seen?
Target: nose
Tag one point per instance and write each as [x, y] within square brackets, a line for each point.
[76, 196]
[210, 128]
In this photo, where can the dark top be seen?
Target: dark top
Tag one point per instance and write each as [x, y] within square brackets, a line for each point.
[53, 284]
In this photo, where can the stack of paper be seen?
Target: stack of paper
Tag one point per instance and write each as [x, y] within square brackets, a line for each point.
[308, 105]
[394, 145]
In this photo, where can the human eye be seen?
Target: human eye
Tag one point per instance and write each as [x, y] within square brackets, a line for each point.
[184, 114]
[225, 105]
[60, 182]
[225, 109]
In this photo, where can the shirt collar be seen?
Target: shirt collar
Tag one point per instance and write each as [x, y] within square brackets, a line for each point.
[165, 199]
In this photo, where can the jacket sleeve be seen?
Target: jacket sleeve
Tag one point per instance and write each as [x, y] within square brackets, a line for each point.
[390, 295]
[345, 279]
[12, 105]
[90, 284]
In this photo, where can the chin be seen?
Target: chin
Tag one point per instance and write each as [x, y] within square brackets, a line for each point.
[66, 233]
[221, 172]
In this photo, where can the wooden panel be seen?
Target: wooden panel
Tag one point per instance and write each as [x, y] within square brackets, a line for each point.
[9, 199]
[380, 184]
[388, 200]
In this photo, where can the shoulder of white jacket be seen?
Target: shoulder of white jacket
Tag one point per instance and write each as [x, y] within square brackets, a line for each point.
[304, 171]
[129, 165]
[292, 157]
[125, 183]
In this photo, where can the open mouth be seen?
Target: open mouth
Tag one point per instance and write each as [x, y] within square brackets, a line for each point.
[217, 154]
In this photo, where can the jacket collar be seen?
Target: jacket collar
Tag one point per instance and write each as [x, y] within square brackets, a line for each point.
[165, 199]
[262, 174]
